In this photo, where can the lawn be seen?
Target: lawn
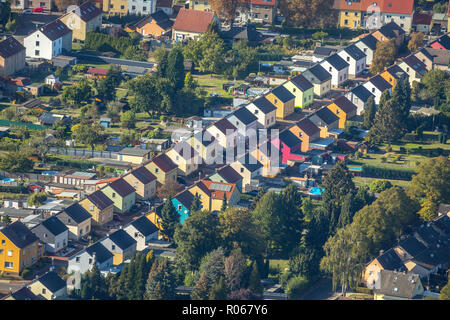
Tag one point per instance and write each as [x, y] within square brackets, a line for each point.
[408, 162]
[363, 181]
[213, 84]
[278, 264]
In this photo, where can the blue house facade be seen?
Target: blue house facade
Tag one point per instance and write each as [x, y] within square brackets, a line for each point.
[182, 203]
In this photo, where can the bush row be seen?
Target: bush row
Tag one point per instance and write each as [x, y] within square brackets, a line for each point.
[384, 173]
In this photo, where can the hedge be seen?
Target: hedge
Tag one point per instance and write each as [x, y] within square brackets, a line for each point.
[363, 290]
[296, 286]
[14, 189]
[75, 164]
[384, 173]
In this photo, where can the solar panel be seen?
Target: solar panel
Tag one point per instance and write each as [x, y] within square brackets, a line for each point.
[220, 187]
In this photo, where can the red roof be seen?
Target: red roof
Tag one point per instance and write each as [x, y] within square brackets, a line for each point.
[387, 6]
[422, 18]
[270, 3]
[193, 20]
[97, 71]
[396, 6]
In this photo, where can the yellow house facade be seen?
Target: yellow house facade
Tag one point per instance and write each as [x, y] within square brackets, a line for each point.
[143, 181]
[350, 19]
[344, 109]
[18, 253]
[283, 100]
[99, 206]
[116, 6]
[200, 5]
[185, 157]
[86, 18]
[163, 168]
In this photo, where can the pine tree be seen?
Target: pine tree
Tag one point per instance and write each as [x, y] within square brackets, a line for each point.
[170, 219]
[369, 112]
[175, 68]
[161, 282]
[196, 203]
[388, 125]
[259, 195]
[255, 281]
[224, 203]
[347, 213]
[201, 288]
[385, 96]
[163, 65]
[292, 217]
[218, 291]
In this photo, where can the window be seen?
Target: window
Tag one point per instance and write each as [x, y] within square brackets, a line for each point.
[113, 247]
[9, 265]
[144, 8]
[9, 253]
[113, 194]
[44, 291]
[36, 52]
[91, 208]
[242, 170]
[135, 184]
[122, 7]
[156, 170]
[37, 43]
[3, 242]
[77, 259]
[345, 22]
[1, 251]
[180, 207]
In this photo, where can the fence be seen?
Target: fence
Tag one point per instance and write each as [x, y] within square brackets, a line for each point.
[84, 153]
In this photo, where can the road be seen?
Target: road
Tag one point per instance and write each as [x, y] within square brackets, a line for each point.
[323, 290]
[107, 60]
[5, 285]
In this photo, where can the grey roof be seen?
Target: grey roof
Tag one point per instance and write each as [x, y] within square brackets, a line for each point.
[100, 200]
[122, 187]
[319, 73]
[354, 52]
[19, 234]
[391, 30]
[308, 127]
[87, 11]
[397, 284]
[10, 47]
[160, 18]
[345, 105]
[185, 197]
[223, 125]
[54, 225]
[101, 253]
[301, 82]
[55, 30]
[397, 72]
[264, 105]
[52, 281]
[138, 152]
[143, 175]
[416, 64]
[390, 260]
[25, 293]
[122, 239]
[444, 41]
[77, 213]
[145, 226]
[323, 117]
[412, 246]
[381, 84]
[283, 94]
[247, 32]
[289, 139]
[438, 56]
[362, 93]
[249, 162]
[229, 174]
[337, 62]
[324, 51]
[245, 116]
[370, 41]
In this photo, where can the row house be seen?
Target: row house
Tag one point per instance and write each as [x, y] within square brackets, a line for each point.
[212, 194]
[83, 19]
[338, 68]
[377, 85]
[320, 78]
[185, 158]
[367, 45]
[31, 4]
[302, 89]
[157, 24]
[163, 168]
[415, 68]
[283, 100]
[122, 194]
[359, 97]
[182, 203]
[99, 206]
[355, 58]
[434, 58]
[12, 56]
[49, 41]
[264, 111]
[344, 109]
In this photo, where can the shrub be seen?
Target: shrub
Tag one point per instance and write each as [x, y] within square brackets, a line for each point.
[383, 159]
[296, 286]
[363, 290]
[26, 273]
[379, 185]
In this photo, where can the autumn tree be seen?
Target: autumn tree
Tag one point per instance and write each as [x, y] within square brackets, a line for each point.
[416, 42]
[310, 13]
[168, 189]
[383, 56]
[228, 8]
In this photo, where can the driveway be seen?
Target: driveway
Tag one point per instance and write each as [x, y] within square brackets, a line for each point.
[322, 290]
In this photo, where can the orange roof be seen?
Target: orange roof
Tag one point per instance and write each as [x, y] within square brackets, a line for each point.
[193, 20]
[387, 6]
[107, 180]
[218, 189]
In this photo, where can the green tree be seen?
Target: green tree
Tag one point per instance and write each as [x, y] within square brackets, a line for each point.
[90, 134]
[196, 203]
[432, 179]
[128, 120]
[445, 291]
[306, 262]
[218, 291]
[207, 53]
[6, 219]
[379, 185]
[388, 125]
[78, 93]
[369, 112]
[16, 161]
[383, 56]
[170, 219]
[291, 218]
[36, 199]
[161, 281]
[201, 289]
[255, 281]
[197, 235]
[175, 68]
[224, 203]
[238, 229]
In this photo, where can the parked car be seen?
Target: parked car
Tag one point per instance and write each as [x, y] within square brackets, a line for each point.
[38, 9]
[27, 11]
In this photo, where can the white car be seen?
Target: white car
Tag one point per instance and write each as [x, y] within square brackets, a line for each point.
[27, 11]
